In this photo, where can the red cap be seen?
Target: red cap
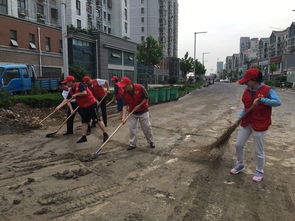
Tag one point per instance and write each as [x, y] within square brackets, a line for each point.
[69, 78]
[86, 78]
[252, 73]
[115, 78]
[124, 82]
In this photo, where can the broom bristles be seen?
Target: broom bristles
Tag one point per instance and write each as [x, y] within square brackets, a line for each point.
[223, 139]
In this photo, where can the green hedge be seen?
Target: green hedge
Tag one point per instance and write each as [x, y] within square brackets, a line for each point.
[37, 100]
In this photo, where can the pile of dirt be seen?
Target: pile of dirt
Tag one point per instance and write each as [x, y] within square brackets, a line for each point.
[71, 174]
[21, 118]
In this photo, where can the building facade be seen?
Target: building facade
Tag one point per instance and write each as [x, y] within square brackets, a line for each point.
[103, 55]
[219, 66]
[158, 18]
[31, 43]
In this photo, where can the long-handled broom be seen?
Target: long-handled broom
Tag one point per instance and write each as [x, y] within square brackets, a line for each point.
[53, 112]
[63, 123]
[121, 124]
[223, 139]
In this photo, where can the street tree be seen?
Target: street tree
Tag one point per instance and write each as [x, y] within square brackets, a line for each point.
[186, 65]
[200, 69]
[78, 72]
[149, 53]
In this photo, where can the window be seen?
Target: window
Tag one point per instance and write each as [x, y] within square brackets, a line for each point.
[109, 17]
[104, 15]
[142, 38]
[142, 29]
[105, 29]
[9, 75]
[109, 30]
[21, 4]
[47, 44]
[126, 27]
[32, 41]
[142, 1]
[142, 10]
[125, 11]
[25, 73]
[125, 3]
[13, 38]
[104, 2]
[54, 15]
[79, 23]
[40, 9]
[142, 19]
[3, 6]
[78, 7]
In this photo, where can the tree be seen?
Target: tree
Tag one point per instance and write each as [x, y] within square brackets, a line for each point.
[199, 69]
[186, 65]
[78, 72]
[149, 53]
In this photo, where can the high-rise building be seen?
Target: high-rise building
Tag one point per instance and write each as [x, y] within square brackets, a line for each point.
[219, 66]
[158, 18]
[108, 16]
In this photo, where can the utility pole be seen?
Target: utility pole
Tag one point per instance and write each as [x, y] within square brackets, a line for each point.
[195, 42]
[64, 36]
[204, 56]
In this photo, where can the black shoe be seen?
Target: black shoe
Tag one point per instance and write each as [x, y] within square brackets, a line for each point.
[131, 147]
[67, 133]
[105, 137]
[82, 139]
[152, 145]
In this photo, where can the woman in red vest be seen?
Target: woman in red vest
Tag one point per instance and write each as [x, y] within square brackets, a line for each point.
[257, 121]
[87, 103]
[96, 86]
[136, 98]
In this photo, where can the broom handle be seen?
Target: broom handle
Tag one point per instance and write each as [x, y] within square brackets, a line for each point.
[65, 121]
[53, 112]
[121, 124]
[248, 111]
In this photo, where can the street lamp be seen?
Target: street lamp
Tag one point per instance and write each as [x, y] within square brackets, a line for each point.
[195, 42]
[203, 56]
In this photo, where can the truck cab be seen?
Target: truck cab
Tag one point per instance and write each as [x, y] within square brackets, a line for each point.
[16, 77]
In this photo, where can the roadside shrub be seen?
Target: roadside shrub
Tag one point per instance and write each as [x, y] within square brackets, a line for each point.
[38, 100]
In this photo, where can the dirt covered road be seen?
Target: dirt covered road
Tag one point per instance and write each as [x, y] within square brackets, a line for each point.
[54, 178]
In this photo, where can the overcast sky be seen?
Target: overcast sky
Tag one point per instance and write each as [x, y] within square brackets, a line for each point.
[226, 21]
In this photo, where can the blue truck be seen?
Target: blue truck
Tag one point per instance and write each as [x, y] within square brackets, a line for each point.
[20, 77]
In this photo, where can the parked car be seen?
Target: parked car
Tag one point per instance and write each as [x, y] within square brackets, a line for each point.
[20, 77]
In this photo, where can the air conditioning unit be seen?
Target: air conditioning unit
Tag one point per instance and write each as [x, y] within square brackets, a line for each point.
[41, 17]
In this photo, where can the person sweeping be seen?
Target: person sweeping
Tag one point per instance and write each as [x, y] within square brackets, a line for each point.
[96, 86]
[87, 103]
[257, 122]
[71, 106]
[136, 99]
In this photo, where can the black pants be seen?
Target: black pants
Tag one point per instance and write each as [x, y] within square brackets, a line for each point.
[70, 122]
[103, 108]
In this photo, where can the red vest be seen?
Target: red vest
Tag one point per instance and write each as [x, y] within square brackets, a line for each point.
[97, 90]
[120, 92]
[136, 98]
[83, 101]
[260, 116]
